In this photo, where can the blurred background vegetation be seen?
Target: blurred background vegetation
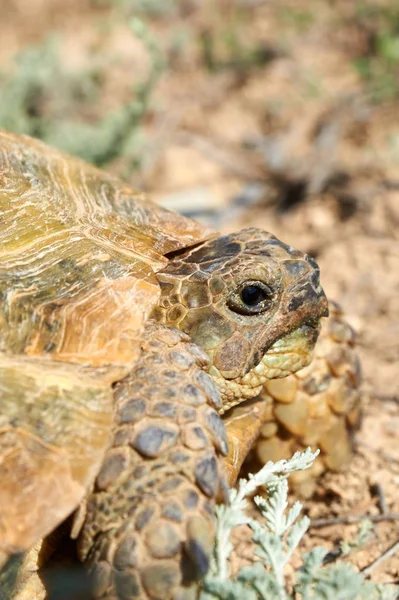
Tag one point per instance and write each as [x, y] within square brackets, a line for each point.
[116, 81]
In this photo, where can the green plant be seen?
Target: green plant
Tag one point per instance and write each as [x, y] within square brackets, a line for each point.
[149, 8]
[226, 46]
[41, 99]
[363, 535]
[117, 133]
[379, 65]
[301, 20]
[275, 542]
[37, 86]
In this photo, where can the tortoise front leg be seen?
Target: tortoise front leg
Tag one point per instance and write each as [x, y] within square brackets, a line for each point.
[243, 426]
[149, 528]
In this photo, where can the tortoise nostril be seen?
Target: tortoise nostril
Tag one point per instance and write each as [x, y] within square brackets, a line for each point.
[312, 323]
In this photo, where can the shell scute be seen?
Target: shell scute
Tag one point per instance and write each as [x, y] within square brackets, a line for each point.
[78, 253]
[54, 427]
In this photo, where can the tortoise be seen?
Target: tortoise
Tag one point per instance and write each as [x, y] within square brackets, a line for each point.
[318, 406]
[126, 331]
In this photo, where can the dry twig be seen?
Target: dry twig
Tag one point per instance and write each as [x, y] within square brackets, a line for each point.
[387, 554]
[316, 523]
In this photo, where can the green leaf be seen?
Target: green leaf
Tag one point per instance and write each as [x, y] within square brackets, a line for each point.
[275, 541]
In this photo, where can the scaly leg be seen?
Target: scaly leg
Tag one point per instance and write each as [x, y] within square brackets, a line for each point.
[149, 527]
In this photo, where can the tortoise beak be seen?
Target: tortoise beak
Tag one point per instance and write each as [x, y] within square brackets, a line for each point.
[302, 306]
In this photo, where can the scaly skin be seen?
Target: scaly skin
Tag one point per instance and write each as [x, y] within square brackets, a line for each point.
[320, 406]
[88, 267]
[330, 386]
[91, 273]
[148, 531]
[245, 350]
[149, 526]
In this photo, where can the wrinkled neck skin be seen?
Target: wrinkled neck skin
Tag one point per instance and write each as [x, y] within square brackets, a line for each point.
[245, 350]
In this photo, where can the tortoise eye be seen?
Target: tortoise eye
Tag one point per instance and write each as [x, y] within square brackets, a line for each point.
[252, 295]
[251, 298]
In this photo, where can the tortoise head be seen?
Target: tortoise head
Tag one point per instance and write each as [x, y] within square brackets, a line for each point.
[251, 302]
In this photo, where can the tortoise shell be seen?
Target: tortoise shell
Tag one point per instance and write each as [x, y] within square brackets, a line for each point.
[78, 256]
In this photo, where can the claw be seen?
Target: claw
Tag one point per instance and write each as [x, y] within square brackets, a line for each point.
[199, 544]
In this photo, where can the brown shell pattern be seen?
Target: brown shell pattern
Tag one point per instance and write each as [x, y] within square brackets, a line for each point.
[78, 251]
